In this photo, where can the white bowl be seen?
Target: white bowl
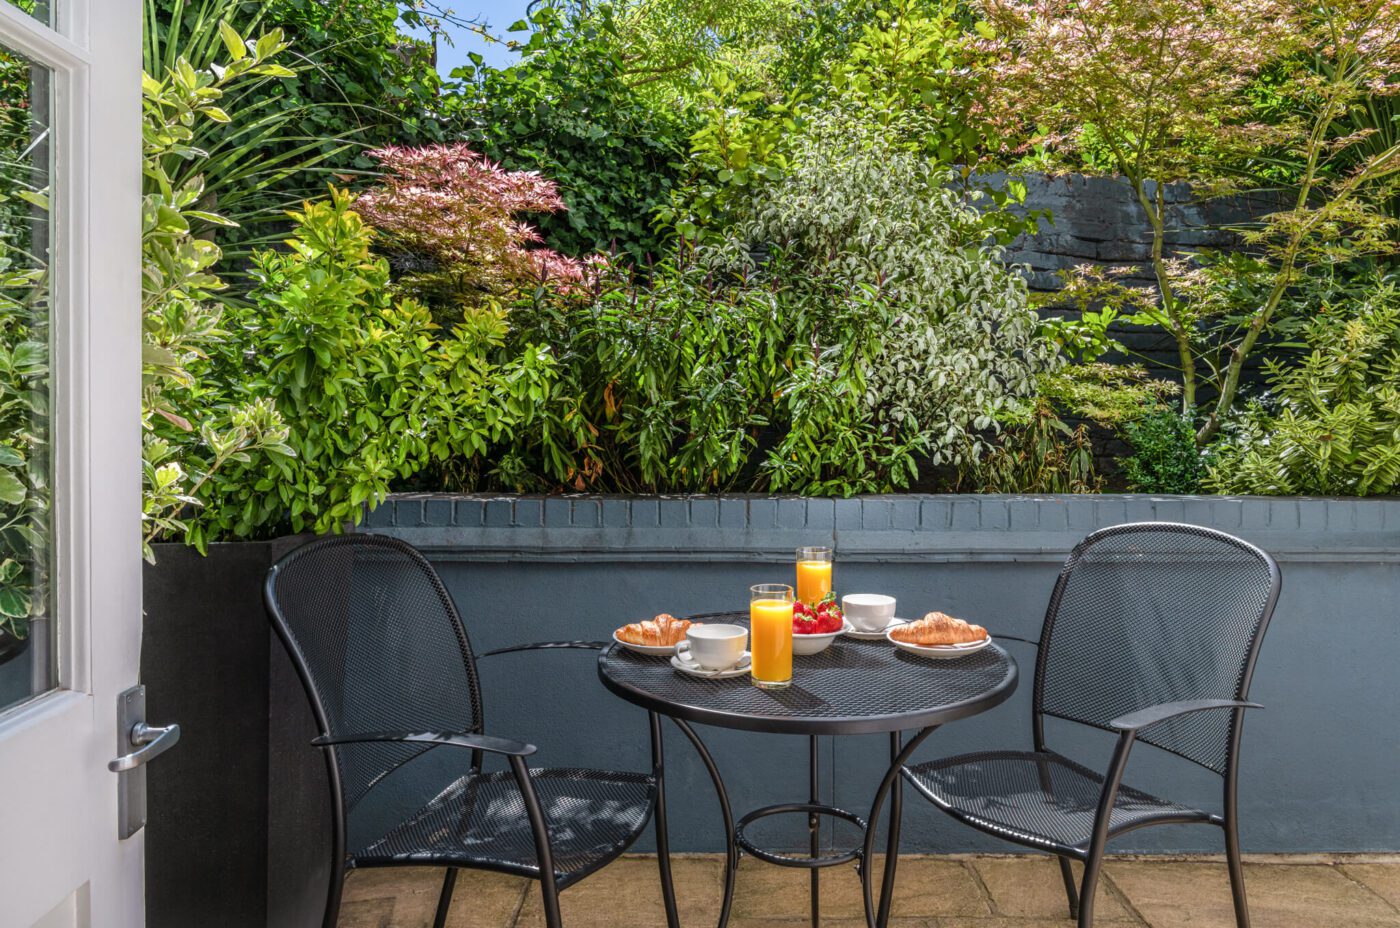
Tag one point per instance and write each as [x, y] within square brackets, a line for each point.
[807, 645]
[868, 612]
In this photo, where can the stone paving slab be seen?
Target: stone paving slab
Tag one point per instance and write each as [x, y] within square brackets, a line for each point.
[933, 892]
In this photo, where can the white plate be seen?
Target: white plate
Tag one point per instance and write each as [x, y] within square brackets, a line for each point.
[877, 635]
[695, 670]
[807, 645]
[650, 650]
[941, 652]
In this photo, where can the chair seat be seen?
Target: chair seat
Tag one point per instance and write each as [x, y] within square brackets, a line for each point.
[480, 821]
[1040, 799]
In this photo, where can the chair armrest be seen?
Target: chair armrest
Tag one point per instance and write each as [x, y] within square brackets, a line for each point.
[1144, 718]
[549, 646]
[1000, 637]
[457, 739]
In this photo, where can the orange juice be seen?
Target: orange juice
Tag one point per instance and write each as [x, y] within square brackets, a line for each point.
[813, 581]
[770, 640]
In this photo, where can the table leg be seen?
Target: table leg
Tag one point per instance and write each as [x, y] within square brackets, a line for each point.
[868, 853]
[814, 826]
[663, 838]
[892, 842]
[731, 847]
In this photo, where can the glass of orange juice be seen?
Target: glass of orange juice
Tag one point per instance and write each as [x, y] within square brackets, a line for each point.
[813, 574]
[770, 635]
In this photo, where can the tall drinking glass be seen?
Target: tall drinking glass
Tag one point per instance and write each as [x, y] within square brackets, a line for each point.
[770, 635]
[813, 574]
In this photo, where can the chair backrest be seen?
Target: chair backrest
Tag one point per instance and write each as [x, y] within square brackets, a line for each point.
[1148, 613]
[379, 647]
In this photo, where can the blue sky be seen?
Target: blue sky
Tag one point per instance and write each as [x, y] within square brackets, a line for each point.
[498, 14]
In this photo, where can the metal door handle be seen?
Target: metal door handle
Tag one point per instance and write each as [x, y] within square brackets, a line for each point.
[154, 740]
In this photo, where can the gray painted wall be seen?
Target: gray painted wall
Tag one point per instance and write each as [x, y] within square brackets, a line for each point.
[1320, 763]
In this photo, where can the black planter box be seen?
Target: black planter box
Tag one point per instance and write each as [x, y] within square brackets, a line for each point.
[239, 829]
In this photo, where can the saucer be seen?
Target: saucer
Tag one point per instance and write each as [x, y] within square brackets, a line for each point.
[695, 670]
[877, 635]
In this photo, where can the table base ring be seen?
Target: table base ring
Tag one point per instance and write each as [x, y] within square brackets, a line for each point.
[786, 860]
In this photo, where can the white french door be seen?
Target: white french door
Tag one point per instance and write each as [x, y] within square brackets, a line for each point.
[70, 478]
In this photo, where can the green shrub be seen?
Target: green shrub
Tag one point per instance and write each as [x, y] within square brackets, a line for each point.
[353, 82]
[370, 389]
[569, 109]
[1165, 458]
[1331, 424]
[917, 334]
[185, 442]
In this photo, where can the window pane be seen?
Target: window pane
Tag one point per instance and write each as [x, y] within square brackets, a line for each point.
[27, 657]
[41, 10]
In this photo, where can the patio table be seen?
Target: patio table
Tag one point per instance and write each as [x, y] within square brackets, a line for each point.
[854, 687]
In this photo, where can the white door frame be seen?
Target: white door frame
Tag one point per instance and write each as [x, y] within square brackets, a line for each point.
[60, 858]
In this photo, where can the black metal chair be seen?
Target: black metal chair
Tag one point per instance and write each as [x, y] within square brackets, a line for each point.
[391, 677]
[1152, 633]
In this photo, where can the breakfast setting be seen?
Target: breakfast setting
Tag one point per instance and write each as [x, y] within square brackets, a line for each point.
[789, 622]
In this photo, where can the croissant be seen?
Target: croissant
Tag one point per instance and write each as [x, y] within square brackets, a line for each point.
[937, 628]
[662, 631]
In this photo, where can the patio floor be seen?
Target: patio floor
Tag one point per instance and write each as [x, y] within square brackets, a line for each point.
[933, 892]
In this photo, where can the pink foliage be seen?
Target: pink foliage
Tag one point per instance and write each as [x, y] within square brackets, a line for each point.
[461, 208]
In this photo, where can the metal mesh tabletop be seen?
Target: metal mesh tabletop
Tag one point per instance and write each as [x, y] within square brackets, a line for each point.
[852, 687]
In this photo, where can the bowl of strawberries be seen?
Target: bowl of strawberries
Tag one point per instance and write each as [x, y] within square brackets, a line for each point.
[814, 628]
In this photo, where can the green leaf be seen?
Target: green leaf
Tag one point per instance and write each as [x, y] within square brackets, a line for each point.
[237, 48]
[12, 489]
[14, 603]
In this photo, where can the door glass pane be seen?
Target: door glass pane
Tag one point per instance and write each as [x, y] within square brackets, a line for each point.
[41, 10]
[27, 658]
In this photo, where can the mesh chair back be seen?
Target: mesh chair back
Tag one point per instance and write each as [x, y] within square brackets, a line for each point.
[379, 645]
[1149, 613]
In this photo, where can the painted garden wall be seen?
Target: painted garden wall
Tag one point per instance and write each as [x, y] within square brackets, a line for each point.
[1318, 769]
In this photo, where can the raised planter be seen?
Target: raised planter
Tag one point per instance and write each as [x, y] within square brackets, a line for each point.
[216, 854]
[1319, 764]
[238, 832]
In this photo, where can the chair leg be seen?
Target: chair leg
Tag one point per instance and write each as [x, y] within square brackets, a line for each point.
[1232, 857]
[549, 895]
[1089, 886]
[1067, 874]
[333, 893]
[445, 898]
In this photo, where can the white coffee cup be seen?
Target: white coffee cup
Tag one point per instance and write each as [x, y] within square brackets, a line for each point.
[714, 647]
[868, 612]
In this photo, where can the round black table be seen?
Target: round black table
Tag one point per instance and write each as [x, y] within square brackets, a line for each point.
[853, 687]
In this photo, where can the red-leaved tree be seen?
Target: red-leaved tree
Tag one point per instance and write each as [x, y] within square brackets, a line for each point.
[460, 211]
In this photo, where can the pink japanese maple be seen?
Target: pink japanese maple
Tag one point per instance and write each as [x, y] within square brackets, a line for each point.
[461, 209]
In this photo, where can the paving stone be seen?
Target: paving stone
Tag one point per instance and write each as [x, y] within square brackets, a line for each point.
[408, 896]
[1382, 879]
[997, 921]
[1031, 887]
[627, 894]
[826, 923]
[1197, 895]
[367, 913]
[925, 887]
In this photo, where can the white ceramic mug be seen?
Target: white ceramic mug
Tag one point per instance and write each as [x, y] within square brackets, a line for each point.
[714, 647]
[868, 612]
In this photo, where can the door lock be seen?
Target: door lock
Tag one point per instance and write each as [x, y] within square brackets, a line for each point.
[149, 741]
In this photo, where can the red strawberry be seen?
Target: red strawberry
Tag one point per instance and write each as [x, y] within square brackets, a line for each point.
[803, 625]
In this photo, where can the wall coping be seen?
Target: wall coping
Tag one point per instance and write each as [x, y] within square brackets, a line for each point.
[925, 528]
